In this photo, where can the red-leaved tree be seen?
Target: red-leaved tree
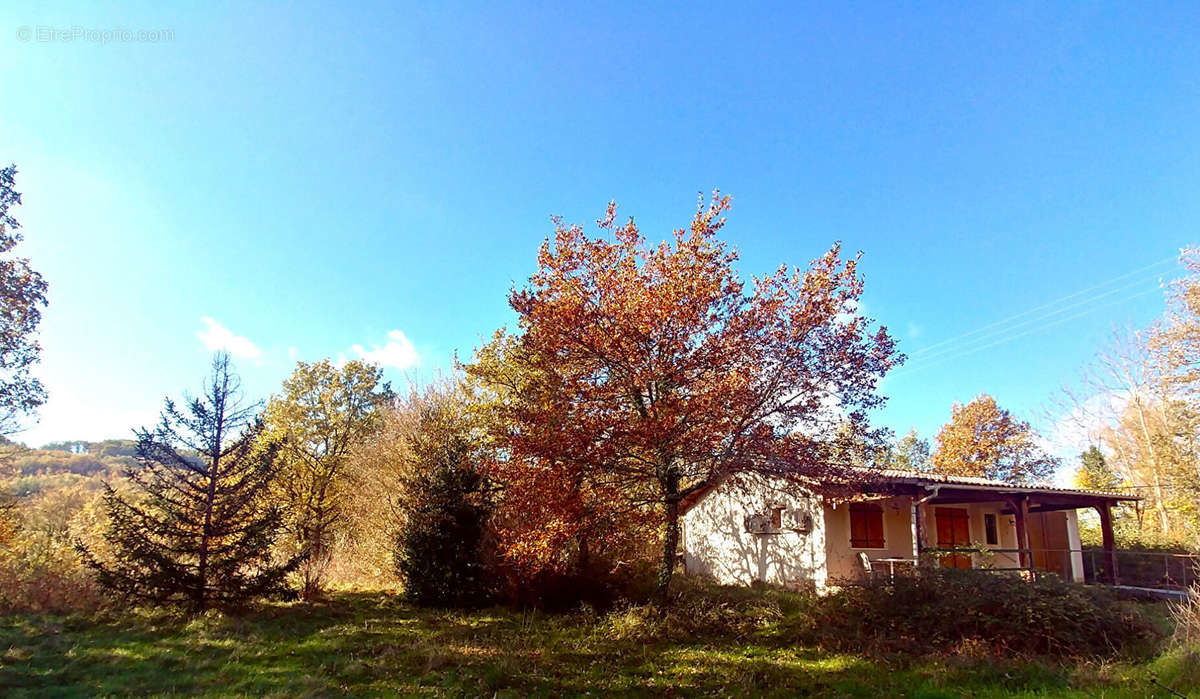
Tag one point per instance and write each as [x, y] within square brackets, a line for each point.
[644, 373]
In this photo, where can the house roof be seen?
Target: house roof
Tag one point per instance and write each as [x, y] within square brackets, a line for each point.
[873, 480]
[926, 478]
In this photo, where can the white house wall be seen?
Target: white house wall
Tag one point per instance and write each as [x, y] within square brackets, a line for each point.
[1006, 533]
[1072, 522]
[842, 558]
[716, 544]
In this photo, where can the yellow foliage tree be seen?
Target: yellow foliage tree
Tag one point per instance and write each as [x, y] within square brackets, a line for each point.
[986, 441]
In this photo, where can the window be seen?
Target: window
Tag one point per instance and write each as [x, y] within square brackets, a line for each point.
[776, 514]
[989, 529]
[866, 526]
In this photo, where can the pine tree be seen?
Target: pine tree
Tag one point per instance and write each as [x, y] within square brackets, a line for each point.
[195, 528]
[1094, 472]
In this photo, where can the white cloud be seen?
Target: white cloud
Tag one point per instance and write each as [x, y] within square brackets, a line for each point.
[217, 337]
[69, 415]
[398, 352]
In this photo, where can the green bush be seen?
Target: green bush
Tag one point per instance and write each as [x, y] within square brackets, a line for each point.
[443, 504]
[932, 612]
[440, 545]
[944, 609]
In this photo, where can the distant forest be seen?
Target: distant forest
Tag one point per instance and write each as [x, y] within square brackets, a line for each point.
[59, 463]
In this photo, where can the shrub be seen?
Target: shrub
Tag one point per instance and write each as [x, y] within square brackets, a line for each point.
[443, 505]
[47, 581]
[701, 610]
[931, 612]
[599, 584]
[40, 570]
[939, 610]
[439, 546]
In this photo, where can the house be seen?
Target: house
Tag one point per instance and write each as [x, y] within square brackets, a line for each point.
[755, 529]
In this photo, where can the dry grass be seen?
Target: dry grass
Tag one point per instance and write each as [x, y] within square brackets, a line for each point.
[1186, 615]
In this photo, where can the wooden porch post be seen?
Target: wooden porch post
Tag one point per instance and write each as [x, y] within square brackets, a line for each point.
[1021, 513]
[918, 532]
[1109, 541]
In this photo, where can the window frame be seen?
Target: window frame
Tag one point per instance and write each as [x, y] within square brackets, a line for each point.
[991, 529]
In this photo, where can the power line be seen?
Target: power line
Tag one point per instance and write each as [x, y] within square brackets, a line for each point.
[921, 356]
[1009, 338]
[1050, 304]
[905, 371]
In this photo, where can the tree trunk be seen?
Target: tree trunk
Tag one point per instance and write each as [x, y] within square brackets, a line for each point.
[1159, 505]
[668, 480]
[670, 546]
[313, 566]
[585, 553]
[1109, 543]
[317, 544]
[200, 598]
[584, 542]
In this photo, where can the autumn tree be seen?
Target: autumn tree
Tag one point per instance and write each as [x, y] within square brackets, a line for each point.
[23, 294]
[1139, 398]
[1175, 341]
[195, 527]
[656, 371]
[1175, 344]
[986, 441]
[1125, 403]
[323, 413]
[556, 527]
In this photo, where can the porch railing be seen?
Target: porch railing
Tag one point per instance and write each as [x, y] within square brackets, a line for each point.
[1150, 569]
[988, 556]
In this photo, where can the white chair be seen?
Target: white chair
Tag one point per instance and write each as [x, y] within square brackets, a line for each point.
[864, 564]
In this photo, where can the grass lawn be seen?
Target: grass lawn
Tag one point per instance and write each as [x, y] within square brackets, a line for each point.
[373, 643]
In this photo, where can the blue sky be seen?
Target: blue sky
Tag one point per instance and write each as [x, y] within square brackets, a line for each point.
[318, 182]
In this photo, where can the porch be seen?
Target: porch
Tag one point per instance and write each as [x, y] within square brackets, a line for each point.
[969, 523]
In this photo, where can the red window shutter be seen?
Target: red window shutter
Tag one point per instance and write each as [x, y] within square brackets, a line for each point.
[875, 529]
[866, 526]
[858, 528]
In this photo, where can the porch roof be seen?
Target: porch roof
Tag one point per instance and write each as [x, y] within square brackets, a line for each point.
[945, 489]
